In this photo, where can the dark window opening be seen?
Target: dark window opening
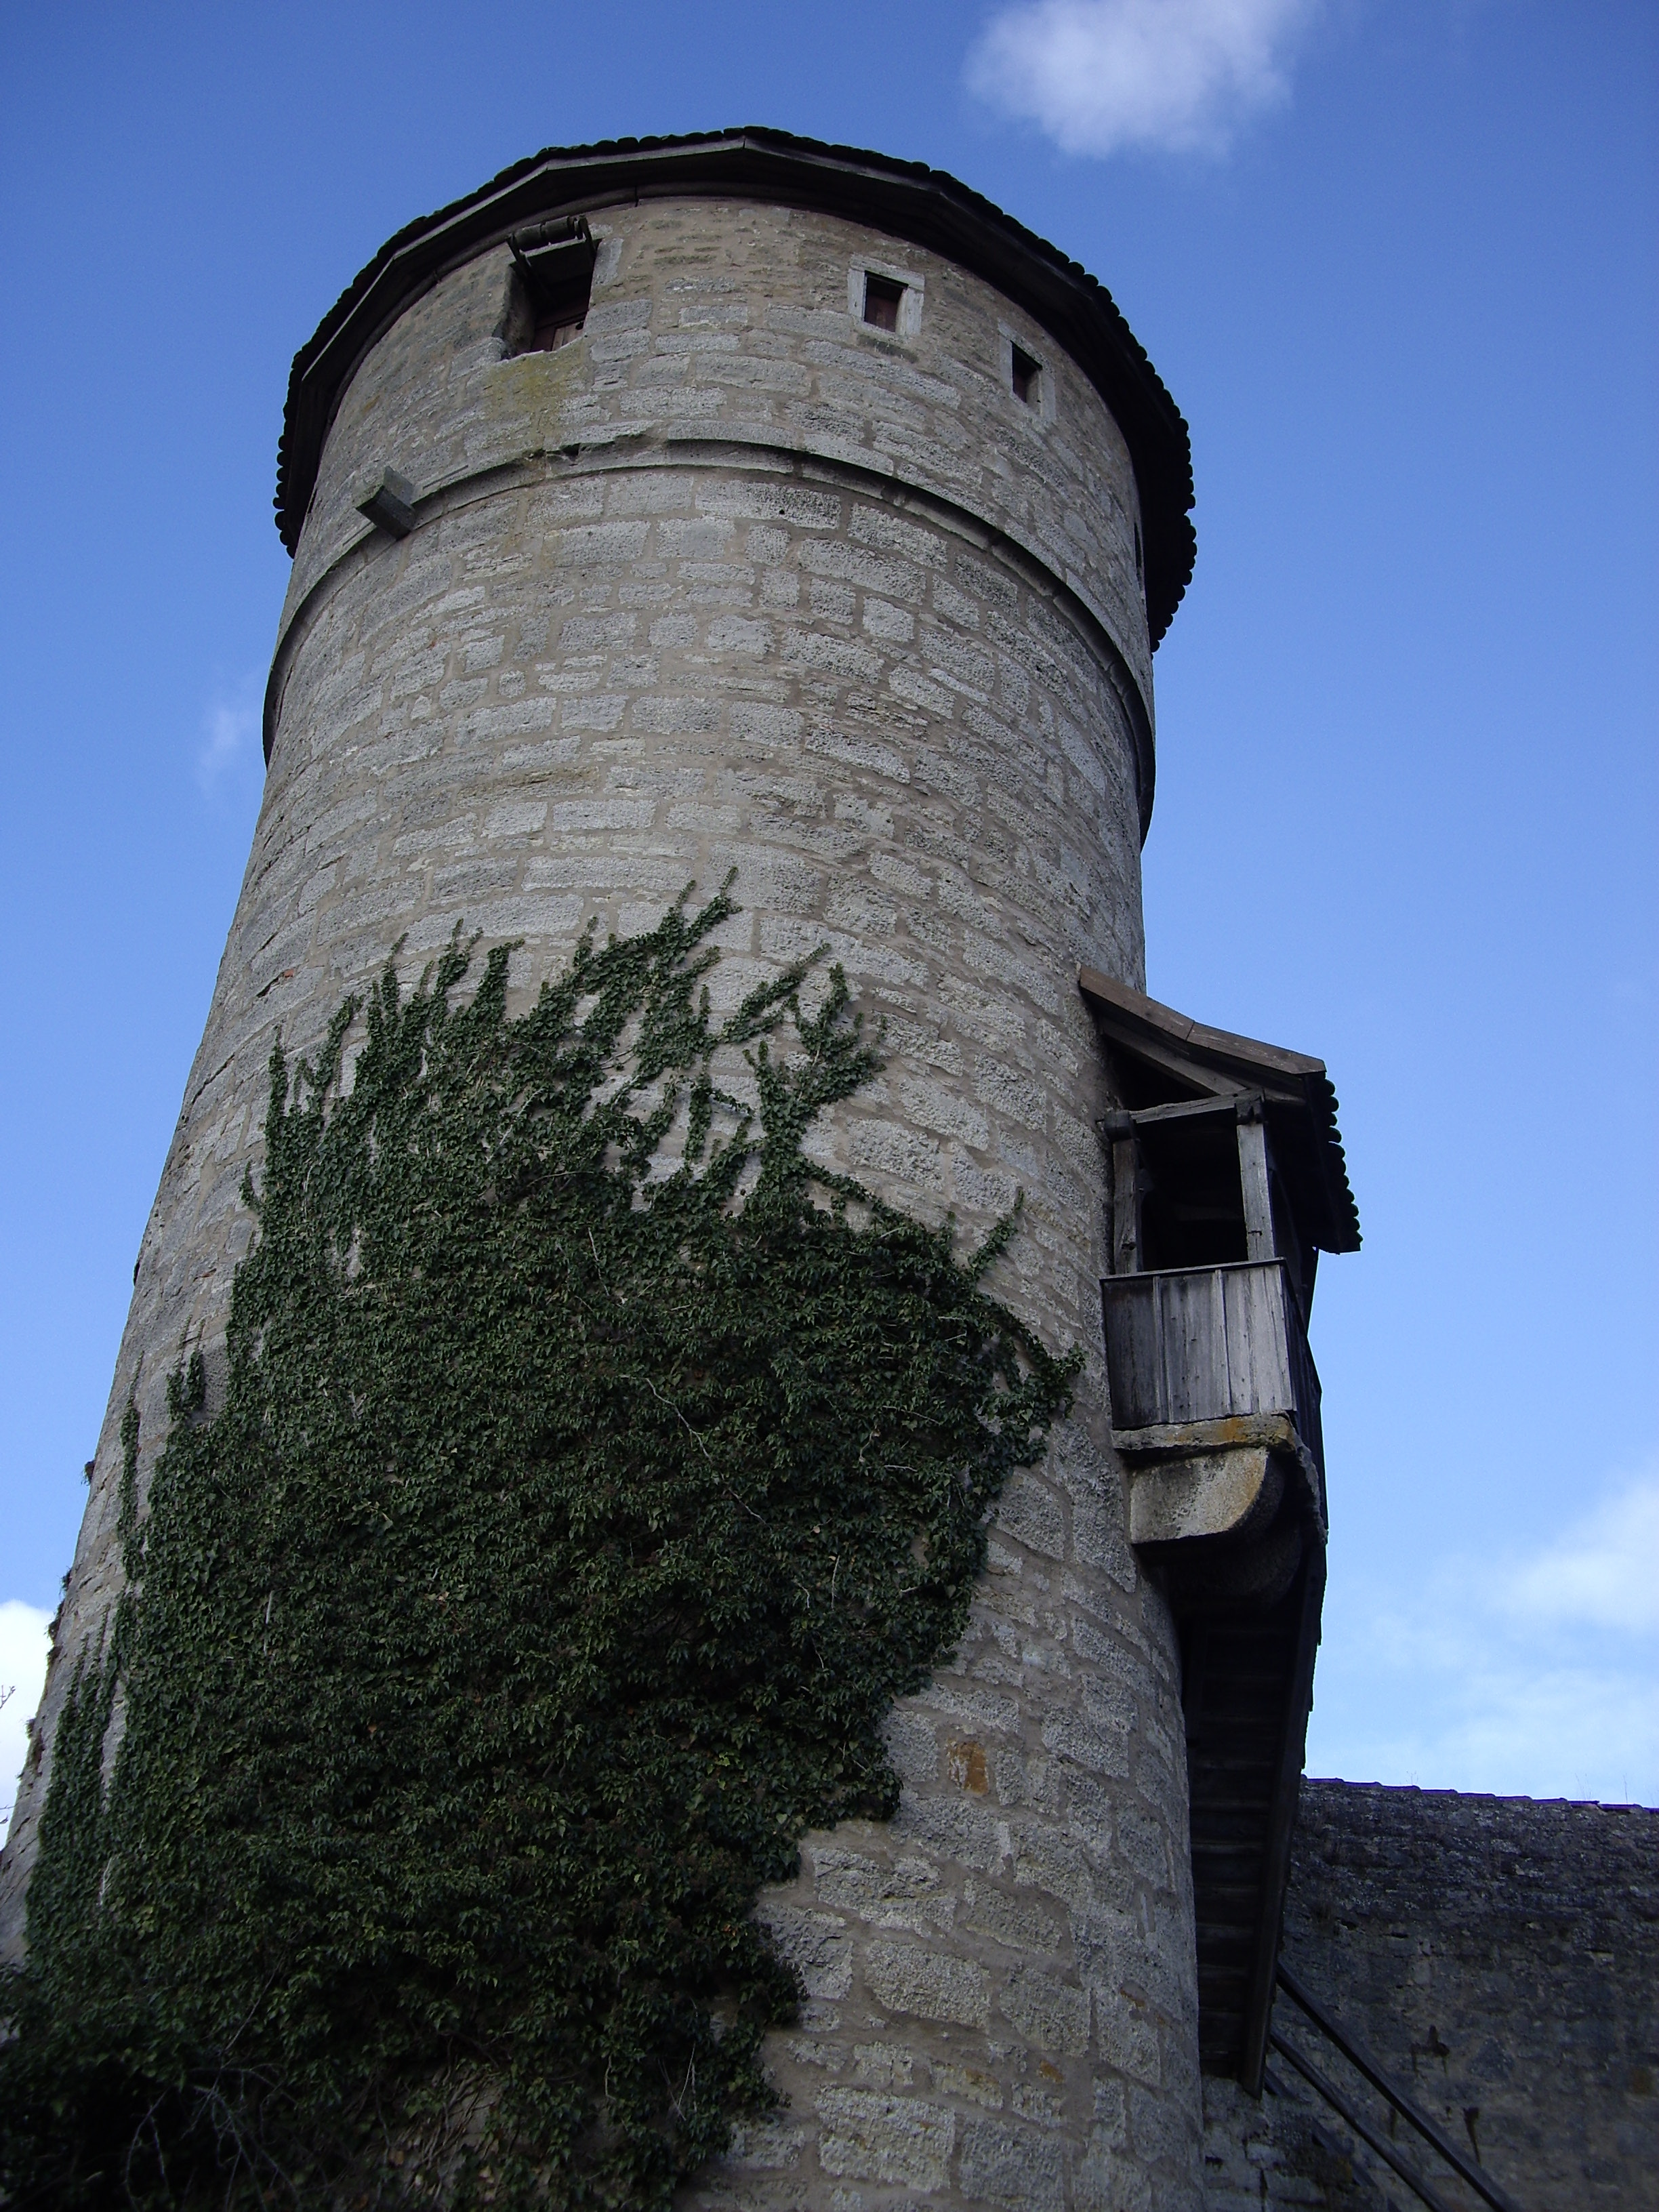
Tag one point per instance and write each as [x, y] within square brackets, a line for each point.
[1193, 1208]
[1140, 558]
[554, 265]
[881, 303]
[560, 318]
[1026, 375]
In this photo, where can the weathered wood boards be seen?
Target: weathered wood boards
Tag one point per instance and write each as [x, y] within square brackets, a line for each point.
[1201, 1343]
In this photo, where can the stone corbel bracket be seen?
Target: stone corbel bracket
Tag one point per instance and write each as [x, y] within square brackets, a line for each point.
[1212, 1478]
[1225, 1507]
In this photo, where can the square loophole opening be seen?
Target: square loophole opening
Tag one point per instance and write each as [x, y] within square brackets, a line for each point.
[882, 297]
[1027, 378]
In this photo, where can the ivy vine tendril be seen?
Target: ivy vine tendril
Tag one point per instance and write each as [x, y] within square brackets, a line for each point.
[593, 1470]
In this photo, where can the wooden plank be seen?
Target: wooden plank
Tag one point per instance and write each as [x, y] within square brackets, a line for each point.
[1275, 1380]
[1218, 1387]
[1148, 1348]
[1115, 1320]
[1255, 1176]
[1360, 2058]
[1191, 1370]
[1421, 2188]
[1222, 1304]
[1259, 1372]
[1185, 1110]
[1170, 1061]
[1132, 1347]
[1166, 1302]
[1171, 1303]
[1140, 1014]
[1233, 1345]
[1127, 1193]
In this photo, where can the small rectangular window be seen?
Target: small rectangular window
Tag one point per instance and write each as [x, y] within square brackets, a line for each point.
[1027, 378]
[881, 303]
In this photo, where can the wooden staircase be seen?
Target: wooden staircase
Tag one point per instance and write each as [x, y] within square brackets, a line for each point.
[1247, 1680]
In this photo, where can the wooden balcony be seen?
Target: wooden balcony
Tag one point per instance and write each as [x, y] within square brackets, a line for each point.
[1215, 1414]
[1209, 1361]
[1226, 1182]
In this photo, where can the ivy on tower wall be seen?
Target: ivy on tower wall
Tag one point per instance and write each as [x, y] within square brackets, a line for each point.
[592, 1471]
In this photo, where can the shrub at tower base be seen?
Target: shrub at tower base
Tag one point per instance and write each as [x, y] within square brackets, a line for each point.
[591, 1473]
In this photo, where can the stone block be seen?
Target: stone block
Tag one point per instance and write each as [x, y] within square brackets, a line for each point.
[1030, 1512]
[928, 1983]
[1051, 2014]
[1011, 2167]
[868, 2137]
[905, 1893]
[974, 2085]
[1017, 1923]
[911, 1742]
[1046, 1858]
[815, 1944]
[884, 2065]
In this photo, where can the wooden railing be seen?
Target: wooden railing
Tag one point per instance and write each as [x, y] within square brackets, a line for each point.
[1403, 2105]
[1206, 1344]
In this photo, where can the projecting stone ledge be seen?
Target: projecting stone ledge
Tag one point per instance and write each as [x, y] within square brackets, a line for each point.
[1226, 1477]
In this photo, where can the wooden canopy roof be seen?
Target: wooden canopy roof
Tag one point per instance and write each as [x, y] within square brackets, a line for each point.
[1162, 1057]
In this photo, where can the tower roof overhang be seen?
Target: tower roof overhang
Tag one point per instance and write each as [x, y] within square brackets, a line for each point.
[905, 199]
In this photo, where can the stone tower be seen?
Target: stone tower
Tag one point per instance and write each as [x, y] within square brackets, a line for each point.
[735, 502]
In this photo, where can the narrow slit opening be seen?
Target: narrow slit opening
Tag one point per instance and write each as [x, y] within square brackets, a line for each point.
[1026, 377]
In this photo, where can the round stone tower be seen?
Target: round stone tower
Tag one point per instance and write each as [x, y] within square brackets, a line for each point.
[736, 503]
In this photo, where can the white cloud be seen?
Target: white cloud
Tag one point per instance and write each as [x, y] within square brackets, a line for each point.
[1533, 1676]
[1101, 75]
[1604, 1573]
[23, 1673]
[230, 736]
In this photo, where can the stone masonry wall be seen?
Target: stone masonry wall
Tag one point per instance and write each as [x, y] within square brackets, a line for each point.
[586, 678]
[734, 323]
[1499, 1958]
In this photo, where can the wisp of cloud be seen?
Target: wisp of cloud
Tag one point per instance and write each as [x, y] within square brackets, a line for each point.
[22, 1674]
[1099, 76]
[1604, 1571]
[1531, 1674]
[229, 730]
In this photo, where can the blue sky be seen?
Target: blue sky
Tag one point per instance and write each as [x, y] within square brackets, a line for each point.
[1395, 263]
